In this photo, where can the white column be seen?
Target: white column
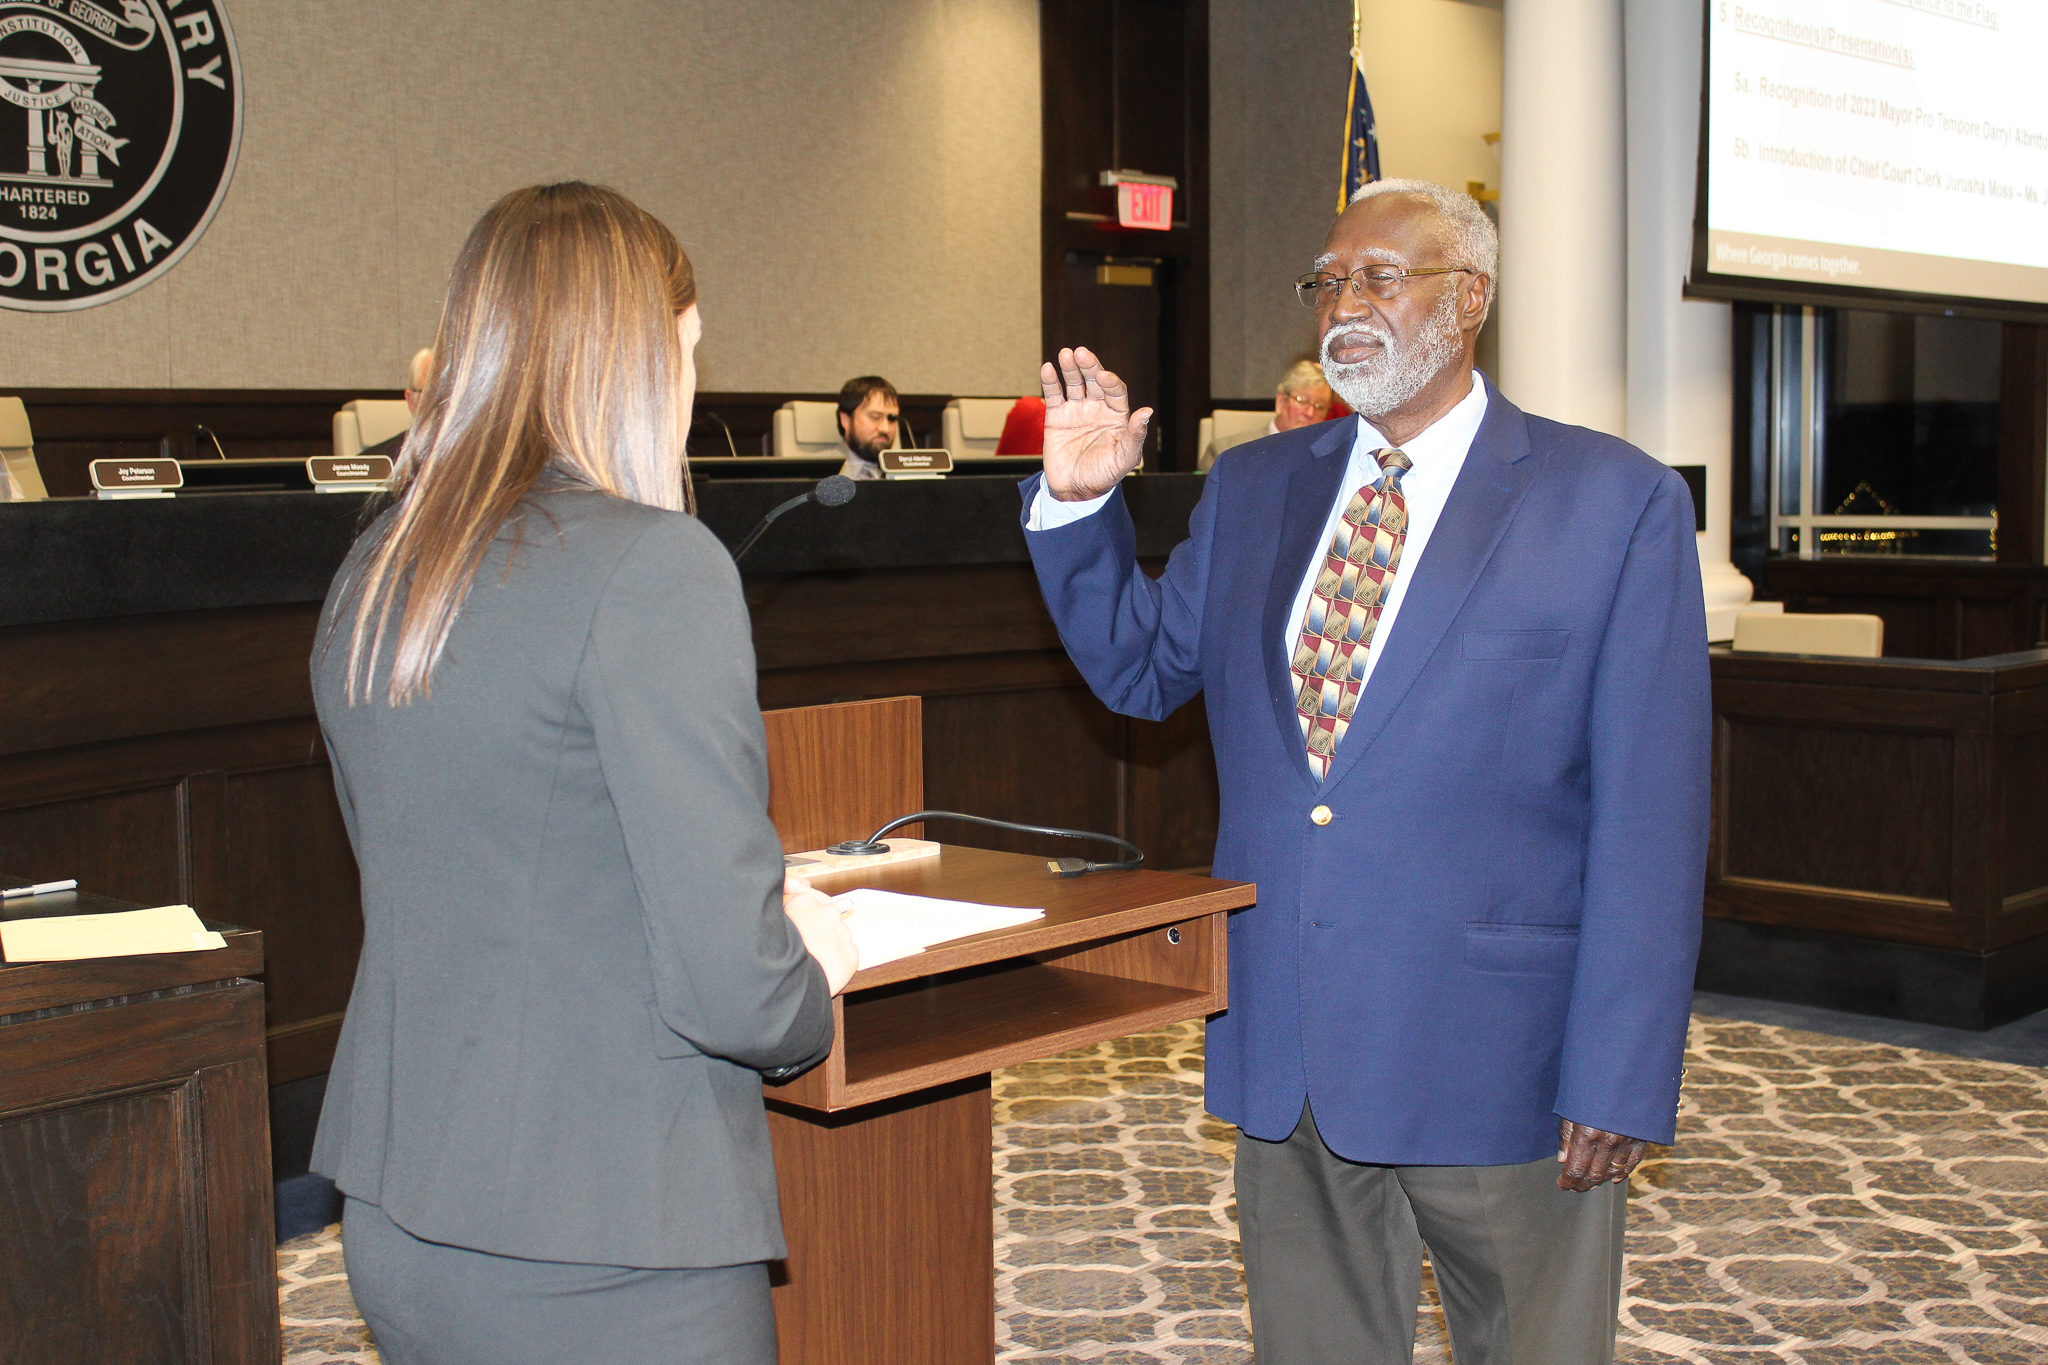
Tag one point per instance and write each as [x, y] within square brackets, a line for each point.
[1562, 316]
[1680, 397]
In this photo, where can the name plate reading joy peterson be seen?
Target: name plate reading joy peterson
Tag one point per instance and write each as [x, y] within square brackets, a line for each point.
[358, 474]
[915, 464]
[135, 478]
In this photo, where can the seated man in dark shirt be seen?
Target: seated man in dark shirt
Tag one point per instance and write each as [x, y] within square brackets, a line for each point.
[868, 417]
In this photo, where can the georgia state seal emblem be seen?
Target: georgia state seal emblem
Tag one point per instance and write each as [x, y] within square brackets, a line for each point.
[119, 125]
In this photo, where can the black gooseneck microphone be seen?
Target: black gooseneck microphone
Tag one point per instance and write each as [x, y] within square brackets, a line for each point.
[835, 490]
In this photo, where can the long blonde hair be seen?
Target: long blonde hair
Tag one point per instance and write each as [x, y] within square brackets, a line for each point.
[558, 351]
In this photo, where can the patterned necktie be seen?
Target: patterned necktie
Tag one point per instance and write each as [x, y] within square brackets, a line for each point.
[1344, 609]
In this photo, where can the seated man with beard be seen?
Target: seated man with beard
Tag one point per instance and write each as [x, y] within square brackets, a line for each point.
[868, 417]
[1455, 663]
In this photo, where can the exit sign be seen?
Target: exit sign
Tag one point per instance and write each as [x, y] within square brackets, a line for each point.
[1144, 206]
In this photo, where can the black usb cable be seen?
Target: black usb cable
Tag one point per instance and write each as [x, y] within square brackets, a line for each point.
[1060, 867]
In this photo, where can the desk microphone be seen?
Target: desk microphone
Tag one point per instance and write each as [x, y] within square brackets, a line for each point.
[834, 490]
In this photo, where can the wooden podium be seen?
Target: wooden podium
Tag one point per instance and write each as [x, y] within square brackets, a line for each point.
[884, 1150]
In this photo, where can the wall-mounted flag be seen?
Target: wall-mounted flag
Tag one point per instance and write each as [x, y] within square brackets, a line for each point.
[1361, 138]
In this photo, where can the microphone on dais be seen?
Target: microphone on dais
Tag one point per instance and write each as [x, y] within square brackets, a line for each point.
[833, 491]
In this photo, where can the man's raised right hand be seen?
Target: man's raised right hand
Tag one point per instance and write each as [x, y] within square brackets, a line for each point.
[1092, 438]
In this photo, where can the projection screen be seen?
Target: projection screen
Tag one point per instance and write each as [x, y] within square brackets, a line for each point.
[1876, 151]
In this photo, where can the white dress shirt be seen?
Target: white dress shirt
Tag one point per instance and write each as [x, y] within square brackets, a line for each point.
[1437, 455]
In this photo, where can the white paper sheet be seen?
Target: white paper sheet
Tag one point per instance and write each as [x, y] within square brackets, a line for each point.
[887, 925]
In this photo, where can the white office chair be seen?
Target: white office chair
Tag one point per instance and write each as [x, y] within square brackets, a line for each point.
[20, 480]
[366, 421]
[1848, 634]
[807, 428]
[1227, 427]
[973, 426]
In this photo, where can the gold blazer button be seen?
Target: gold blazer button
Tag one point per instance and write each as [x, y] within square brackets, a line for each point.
[1320, 815]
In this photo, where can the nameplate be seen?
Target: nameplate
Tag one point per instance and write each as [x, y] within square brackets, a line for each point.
[357, 474]
[135, 478]
[915, 464]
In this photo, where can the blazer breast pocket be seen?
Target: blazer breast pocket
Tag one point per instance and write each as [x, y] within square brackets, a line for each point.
[1510, 645]
[1522, 949]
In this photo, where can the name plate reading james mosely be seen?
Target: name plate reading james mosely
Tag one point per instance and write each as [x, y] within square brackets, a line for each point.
[119, 125]
[361, 473]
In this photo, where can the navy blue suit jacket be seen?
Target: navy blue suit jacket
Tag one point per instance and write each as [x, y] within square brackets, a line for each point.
[1499, 923]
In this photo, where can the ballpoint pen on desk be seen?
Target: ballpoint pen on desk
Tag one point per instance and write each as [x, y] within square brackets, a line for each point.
[39, 889]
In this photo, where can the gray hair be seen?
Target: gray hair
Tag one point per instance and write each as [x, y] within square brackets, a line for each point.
[1301, 375]
[1469, 236]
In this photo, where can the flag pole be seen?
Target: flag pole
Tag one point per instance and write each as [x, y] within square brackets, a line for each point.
[1350, 102]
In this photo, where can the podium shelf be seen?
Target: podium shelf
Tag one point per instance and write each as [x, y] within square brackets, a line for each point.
[941, 1029]
[1115, 953]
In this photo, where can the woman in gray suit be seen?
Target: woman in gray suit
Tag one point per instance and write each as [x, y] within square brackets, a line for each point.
[536, 680]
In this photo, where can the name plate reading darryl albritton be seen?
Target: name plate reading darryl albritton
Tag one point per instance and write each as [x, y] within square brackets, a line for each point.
[135, 478]
[915, 464]
[357, 474]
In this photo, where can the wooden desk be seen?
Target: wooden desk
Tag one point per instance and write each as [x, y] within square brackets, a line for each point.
[1878, 835]
[135, 1218]
[884, 1150]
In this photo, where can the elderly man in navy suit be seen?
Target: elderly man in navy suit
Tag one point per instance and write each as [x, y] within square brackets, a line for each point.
[1455, 662]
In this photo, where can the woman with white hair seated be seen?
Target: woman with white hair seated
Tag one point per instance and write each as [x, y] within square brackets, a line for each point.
[1302, 399]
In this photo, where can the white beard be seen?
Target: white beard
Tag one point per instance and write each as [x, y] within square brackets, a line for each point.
[1380, 385]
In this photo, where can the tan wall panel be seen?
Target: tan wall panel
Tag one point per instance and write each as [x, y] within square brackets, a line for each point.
[858, 185]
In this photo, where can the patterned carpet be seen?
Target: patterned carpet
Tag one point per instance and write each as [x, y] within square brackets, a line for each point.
[1830, 1202]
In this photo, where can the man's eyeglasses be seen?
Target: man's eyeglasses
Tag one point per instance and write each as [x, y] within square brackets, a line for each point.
[1318, 289]
[1307, 402]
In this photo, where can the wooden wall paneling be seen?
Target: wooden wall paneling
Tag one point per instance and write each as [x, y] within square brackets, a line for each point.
[2024, 761]
[2023, 444]
[285, 867]
[1047, 756]
[1977, 866]
[125, 844]
[842, 772]
[1855, 810]
[863, 616]
[1173, 804]
[1876, 836]
[127, 676]
[955, 675]
[154, 760]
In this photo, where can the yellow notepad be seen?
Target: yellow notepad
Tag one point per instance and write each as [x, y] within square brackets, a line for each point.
[125, 933]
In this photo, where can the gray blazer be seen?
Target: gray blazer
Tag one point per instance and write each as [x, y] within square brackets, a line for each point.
[575, 961]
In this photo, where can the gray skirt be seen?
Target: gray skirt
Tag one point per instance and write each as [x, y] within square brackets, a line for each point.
[429, 1304]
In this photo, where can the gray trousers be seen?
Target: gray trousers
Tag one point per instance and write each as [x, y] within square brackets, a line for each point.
[1529, 1274]
[429, 1304]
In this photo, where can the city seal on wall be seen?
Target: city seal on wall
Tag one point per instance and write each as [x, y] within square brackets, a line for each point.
[119, 125]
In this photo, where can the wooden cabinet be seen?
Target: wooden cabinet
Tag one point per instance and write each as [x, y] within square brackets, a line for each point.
[135, 1205]
[1878, 835]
